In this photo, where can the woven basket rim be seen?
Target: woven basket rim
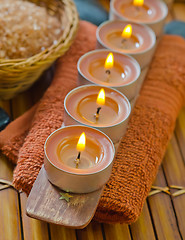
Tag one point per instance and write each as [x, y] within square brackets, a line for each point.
[17, 75]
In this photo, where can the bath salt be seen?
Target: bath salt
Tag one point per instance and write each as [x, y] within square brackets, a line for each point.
[26, 29]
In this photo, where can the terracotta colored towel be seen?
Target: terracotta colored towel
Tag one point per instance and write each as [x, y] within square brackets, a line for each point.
[12, 138]
[144, 144]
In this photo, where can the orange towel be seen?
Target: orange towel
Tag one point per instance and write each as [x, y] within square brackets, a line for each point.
[142, 148]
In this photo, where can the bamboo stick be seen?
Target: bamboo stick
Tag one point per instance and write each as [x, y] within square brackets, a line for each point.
[9, 211]
[59, 232]
[117, 231]
[162, 211]
[33, 229]
[174, 169]
[143, 229]
[91, 232]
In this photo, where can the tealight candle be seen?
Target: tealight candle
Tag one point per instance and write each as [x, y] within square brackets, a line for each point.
[139, 43]
[150, 12]
[124, 39]
[103, 108]
[78, 158]
[110, 69]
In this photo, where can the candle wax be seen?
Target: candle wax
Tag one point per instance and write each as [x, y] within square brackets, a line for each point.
[67, 153]
[143, 13]
[87, 108]
[61, 152]
[81, 105]
[115, 39]
[116, 74]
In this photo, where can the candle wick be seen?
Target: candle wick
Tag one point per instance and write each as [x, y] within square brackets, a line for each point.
[77, 160]
[123, 40]
[97, 112]
[137, 8]
[108, 71]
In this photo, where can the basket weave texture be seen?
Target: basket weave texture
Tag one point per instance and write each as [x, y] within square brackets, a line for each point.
[17, 75]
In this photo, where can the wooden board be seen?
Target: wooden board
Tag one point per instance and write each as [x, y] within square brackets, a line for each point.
[44, 204]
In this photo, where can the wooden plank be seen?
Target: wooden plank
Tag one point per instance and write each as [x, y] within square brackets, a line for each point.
[169, 18]
[40, 86]
[33, 229]
[142, 229]
[63, 233]
[91, 232]
[162, 212]
[9, 211]
[105, 4]
[174, 169]
[116, 231]
[6, 106]
[179, 11]
[180, 132]
[44, 204]
[21, 103]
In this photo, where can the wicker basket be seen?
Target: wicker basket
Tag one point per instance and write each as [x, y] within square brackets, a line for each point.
[17, 75]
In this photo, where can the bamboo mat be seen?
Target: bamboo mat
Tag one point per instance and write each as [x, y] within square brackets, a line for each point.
[163, 216]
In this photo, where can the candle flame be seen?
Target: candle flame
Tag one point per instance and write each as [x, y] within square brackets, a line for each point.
[101, 97]
[127, 31]
[109, 62]
[81, 142]
[138, 2]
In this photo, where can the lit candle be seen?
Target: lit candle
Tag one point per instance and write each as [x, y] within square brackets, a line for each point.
[115, 70]
[150, 12]
[100, 102]
[137, 9]
[95, 162]
[80, 147]
[109, 113]
[103, 67]
[109, 63]
[139, 43]
[124, 39]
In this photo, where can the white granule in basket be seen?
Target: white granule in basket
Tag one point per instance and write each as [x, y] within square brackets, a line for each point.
[26, 29]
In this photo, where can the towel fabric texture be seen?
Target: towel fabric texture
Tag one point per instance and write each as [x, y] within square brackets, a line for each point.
[143, 146]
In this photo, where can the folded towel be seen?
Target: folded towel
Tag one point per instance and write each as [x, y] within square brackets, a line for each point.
[141, 149]
[12, 138]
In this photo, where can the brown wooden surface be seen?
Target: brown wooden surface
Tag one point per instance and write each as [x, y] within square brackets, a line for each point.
[44, 204]
[163, 216]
